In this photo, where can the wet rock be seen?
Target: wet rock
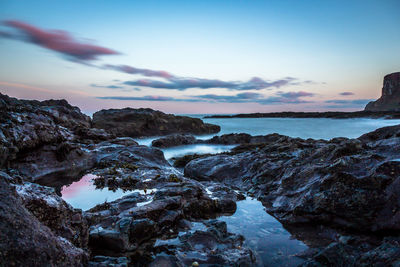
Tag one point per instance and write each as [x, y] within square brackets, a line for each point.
[147, 122]
[26, 124]
[105, 261]
[54, 165]
[213, 246]
[342, 182]
[174, 140]
[25, 241]
[52, 211]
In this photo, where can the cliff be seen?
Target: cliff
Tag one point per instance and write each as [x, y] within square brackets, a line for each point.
[390, 99]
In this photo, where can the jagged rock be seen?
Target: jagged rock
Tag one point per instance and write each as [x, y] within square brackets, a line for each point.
[24, 241]
[147, 122]
[214, 246]
[390, 98]
[345, 182]
[52, 211]
[174, 140]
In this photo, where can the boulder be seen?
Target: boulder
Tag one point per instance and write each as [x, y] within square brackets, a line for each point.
[25, 241]
[174, 140]
[147, 122]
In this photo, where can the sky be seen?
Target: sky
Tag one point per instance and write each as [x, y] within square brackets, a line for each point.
[191, 57]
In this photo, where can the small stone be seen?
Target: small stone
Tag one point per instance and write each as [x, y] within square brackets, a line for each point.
[195, 264]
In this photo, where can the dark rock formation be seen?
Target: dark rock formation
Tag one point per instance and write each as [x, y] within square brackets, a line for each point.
[393, 114]
[174, 140]
[349, 184]
[147, 122]
[307, 180]
[390, 98]
[52, 211]
[25, 241]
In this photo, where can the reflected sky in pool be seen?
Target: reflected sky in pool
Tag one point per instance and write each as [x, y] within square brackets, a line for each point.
[84, 195]
[264, 234]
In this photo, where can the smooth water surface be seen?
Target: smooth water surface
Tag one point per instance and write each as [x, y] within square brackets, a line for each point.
[84, 195]
[318, 128]
[264, 234]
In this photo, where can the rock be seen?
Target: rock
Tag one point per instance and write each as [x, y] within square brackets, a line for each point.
[214, 246]
[147, 122]
[54, 165]
[344, 182]
[52, 211]
[328, 114]
[104, 261]
[174, 140]
[390, 98]
[27, 242]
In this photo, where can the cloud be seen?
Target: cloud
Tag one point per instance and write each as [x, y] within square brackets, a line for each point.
[84, 53]
[149, 98]
[115, 87]
[342, 103]
[247, 97]
[144, 72]
[346, 93]
[181, 84]
[56, 40]
[106, 86]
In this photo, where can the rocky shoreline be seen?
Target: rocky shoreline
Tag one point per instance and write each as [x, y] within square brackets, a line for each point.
[328, 114]
[340, 197]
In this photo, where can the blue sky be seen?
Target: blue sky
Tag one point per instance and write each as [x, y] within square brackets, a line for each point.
[305, 54]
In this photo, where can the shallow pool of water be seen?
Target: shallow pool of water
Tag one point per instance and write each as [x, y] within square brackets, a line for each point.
[264, 234]
[84, 195]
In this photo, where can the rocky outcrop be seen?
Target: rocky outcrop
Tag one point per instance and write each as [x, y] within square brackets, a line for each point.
[52, 211]
[352, 183]
[25, 241]
[348, 184]
[147, 122]
[174, 140]
[390, 98]
[328, 114]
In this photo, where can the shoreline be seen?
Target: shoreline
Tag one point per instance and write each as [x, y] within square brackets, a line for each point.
[327, 114]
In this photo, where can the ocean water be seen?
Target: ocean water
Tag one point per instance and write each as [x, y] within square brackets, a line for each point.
[319, 128]
[316, 128]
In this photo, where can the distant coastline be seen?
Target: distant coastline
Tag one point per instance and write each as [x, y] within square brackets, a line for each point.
[327, 114]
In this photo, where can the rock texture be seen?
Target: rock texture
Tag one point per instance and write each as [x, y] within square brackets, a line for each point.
[25, 241]
[147, 122]
[174, 140]
[390, 98]
[348, 184]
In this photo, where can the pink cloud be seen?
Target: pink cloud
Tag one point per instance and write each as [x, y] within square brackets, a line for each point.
[57, 40]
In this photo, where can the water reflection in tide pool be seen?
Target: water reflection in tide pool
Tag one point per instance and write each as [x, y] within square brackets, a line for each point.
[264, 234]
[84, 195]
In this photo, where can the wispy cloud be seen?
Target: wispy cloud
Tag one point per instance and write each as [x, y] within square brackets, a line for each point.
[181, 84]
[56, 40]
[144, 72]
[346, 93]
[83, 52]
[247, 97]
[115, 87]
[149, 98]
[106, 86]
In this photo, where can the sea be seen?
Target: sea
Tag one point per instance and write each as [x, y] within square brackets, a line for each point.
[272, 243]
